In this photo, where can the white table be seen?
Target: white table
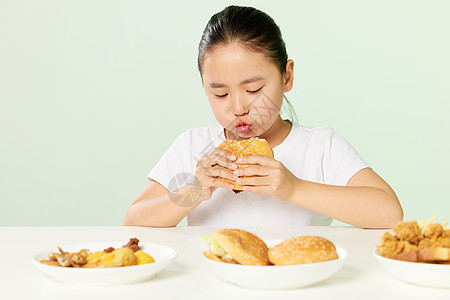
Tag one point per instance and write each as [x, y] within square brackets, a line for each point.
[188, 277]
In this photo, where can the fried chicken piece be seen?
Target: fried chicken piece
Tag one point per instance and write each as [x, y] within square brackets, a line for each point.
[434, 231]
[424, 243]
[50, 262]
[434, 236]
[407, 246]
[66, 259]
[387, 237]
[388, 245]
[391, 246]
[408, 231]
[62, 258]
[442, 241]
[79, 258]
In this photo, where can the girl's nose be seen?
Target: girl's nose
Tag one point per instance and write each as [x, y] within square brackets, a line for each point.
[240, 107]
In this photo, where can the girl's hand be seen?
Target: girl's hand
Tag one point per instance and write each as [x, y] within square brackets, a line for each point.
[270, 177]
[206, 175]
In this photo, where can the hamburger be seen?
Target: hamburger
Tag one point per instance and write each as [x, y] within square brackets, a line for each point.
[236, 246]
[251, 146]
[302, 250]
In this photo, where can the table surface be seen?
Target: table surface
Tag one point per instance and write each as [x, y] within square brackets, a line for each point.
[188, 277]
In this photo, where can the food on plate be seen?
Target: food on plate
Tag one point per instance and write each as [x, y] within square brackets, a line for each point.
[128, 255]
[236, 246]
[302, 250]
[143, 258]
[425, 242]
[252, 146]
[66, 259]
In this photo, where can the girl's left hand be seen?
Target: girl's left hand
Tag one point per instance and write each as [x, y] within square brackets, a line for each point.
[269, 176]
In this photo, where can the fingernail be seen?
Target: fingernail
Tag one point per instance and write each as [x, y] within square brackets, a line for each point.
[233, 166]
[235, 172]
[235, 176]
[238, 181]
[239, 160]
[232, 157]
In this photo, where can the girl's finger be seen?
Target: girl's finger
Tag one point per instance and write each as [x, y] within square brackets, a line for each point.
[207, 179]
[253, 181]
[220, 183]
[219, 171]
[222, 153]
[253, 170]
[215, 158]
[257, 160]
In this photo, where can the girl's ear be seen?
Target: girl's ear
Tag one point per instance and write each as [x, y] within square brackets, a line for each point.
[288, 78]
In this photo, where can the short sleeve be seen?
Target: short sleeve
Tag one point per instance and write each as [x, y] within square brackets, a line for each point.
[170, 171]
[340, 159]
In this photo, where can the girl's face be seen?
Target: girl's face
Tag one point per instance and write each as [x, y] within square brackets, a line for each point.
[245, 89]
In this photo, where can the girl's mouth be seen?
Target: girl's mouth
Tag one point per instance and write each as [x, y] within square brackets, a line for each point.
[243, 127]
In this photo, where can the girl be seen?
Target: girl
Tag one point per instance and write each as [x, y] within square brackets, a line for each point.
[315, 174]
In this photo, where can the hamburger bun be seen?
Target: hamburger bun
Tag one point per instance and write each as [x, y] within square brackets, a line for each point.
[241, 247]
[251, 146]
[302, 250]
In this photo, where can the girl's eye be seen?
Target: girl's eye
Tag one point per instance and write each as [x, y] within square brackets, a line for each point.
[256, 91]
[221, 96]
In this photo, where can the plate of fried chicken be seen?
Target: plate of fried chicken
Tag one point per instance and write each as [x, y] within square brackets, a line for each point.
[416, 253]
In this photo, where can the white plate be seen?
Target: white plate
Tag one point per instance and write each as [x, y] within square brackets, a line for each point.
[278, 277]
[433, 275]
[162, 255]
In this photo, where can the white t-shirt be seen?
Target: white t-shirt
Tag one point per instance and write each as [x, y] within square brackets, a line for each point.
[314, 154]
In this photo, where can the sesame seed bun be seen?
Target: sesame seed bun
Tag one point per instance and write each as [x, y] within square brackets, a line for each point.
[251, 146]
[302, 250]
[243, 246]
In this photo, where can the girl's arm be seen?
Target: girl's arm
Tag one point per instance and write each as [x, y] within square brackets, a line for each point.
[154, 207]
[367, 201]
[157, 207]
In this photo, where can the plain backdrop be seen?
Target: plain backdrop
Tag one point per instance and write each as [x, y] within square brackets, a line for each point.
[93, 92]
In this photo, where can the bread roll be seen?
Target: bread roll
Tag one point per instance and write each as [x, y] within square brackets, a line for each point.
[252, 146]
[434, 254]
[302, 250]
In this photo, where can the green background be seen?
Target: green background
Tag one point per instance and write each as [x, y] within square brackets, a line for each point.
[93, 93]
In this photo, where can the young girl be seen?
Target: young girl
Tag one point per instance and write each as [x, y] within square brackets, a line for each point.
[315, 175]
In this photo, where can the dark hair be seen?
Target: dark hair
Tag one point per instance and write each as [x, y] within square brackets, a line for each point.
[253, 29]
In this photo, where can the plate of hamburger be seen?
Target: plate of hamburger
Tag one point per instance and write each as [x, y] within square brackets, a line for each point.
[417, 253]
[242, 258]
[105, 263]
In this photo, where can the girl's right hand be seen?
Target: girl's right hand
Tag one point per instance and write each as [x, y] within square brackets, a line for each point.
[206, 175]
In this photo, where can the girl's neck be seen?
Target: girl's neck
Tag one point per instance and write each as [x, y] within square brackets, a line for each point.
[275, 135]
